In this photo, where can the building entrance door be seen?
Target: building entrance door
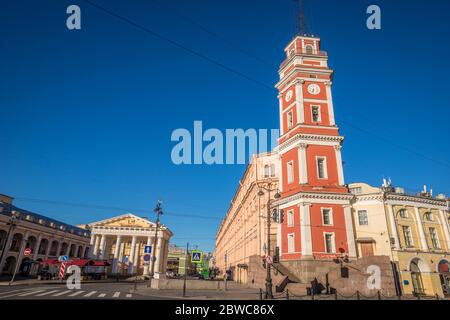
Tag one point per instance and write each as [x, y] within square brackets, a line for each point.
[367, 249]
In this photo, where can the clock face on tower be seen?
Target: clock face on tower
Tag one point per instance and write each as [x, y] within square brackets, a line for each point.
[313, 89]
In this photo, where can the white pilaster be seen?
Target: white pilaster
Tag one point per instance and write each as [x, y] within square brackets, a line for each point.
[96, 246]
[147, 266]
[330, 104]
[423, 239]
[91, 246]
[393, 226]
[299, 102]
[305, 229]
[303, 169]
[340, 170]
[36, 247]
[280, 102]
[445, 227]
[350, 234]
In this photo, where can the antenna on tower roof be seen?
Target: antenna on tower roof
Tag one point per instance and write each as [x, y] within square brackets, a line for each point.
[301, 21]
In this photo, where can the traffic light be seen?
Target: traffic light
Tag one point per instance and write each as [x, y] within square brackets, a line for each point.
[281, 217]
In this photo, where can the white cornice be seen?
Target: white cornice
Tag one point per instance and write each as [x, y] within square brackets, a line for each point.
[311, 139]
[322, 197]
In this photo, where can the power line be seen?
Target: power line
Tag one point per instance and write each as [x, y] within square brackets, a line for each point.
[179, 45]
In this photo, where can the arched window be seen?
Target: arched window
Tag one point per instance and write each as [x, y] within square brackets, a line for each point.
[429, 216]
[403, 213]
[309, 49]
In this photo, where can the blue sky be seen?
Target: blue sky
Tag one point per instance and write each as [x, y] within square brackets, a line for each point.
[87, 115]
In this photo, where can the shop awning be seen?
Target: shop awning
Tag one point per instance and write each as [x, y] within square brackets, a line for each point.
[80, 262]
[50, 261]
[99, 263]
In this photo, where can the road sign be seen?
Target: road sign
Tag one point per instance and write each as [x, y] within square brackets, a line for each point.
[147, 257]
[148, 249]
[196, 256]
[125, 259]
[269, 260]
[63, 258]
[27, 252]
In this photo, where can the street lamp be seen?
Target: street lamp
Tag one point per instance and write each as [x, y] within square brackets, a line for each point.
[270, 188]
[158, 211]
[15, 215]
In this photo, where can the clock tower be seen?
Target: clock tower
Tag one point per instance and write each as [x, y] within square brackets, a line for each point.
[317, 222]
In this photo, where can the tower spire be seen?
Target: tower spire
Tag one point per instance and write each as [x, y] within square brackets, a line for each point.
[301, 21]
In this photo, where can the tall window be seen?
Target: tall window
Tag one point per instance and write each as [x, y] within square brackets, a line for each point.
[429, 216]
[290, 172]
[272, 170]
[309, 49]
[327, 217]
[315, 111]
[403, 213]
[291, 243]
[434, 238]
[290, 218]
[362, 218]
[322, 168]
[329, 243]
[290, 120]
[407, 235]
[266, 171]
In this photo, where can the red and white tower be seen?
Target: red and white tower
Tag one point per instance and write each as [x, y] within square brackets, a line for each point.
[317, 215]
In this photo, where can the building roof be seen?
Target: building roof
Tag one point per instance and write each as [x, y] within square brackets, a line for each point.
[25, 215]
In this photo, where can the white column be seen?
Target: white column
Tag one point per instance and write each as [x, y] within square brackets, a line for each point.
[36, 247]
[423, 240]
[330, 104]
[305, 230]
[96, 246]
[445, 227]
[91, 246]
[116, 255]
[131, 257]
[299, 102]
[339, 165]
[101, 254]
[393, 224]
[8, 245]
[147, 266]
[158, 261]
[303, 169]
[349, 231]
[21, 250]
[136, 257]
[280, 103]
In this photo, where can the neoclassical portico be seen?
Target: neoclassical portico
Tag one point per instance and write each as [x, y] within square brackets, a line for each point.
[122, 240]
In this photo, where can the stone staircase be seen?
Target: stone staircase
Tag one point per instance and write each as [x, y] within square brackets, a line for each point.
[298, 289]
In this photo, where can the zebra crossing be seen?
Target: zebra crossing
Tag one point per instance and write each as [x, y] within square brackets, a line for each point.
[64, 294]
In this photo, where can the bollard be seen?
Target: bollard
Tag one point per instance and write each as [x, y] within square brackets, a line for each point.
[379, 295]
[357, 295]
[287, 294]
[260, 294]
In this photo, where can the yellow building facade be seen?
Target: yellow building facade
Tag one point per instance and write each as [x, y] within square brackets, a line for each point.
[243, 231]
[413, 230]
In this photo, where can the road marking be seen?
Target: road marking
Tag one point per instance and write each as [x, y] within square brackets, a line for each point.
[116, 294]
[129, 295]
[30, 293]
[76, 293]
[19, 294]
[61, 293]
[101, 295]
[90, 293]
[46, 293]
[17, 291]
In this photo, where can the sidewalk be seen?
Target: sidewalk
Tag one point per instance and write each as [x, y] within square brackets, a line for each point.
[234, 292]
[29, 282]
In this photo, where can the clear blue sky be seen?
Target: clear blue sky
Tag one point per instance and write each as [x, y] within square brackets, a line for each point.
[87, 115]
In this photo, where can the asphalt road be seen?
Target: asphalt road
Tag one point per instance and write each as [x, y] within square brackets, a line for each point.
[105, 291]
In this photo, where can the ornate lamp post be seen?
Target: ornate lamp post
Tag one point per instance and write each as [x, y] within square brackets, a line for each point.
[12, 223]
[269, 187]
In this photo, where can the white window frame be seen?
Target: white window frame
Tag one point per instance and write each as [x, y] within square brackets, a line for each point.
[290, 173]
[410, 238]
[291, 246]
[272, 170]
[331, 216]
[290, 119]
[266, 171]
[312, 113]
[406, 213]
[325, 167]
[430, 215]
[438, 242]
[333, 242]
[290, 213]
[367, 217]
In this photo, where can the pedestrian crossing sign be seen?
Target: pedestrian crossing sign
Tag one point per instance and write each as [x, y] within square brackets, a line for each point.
[196, 256]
